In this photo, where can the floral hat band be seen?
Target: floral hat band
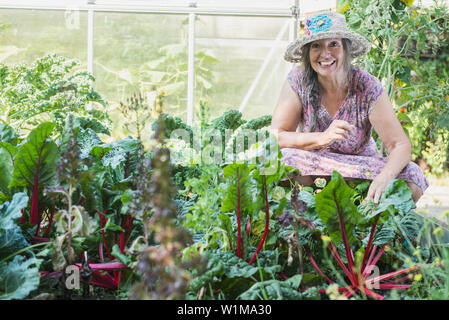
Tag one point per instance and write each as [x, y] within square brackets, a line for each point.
[326, 25]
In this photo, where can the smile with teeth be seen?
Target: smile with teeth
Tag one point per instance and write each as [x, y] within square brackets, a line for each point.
[326, 63]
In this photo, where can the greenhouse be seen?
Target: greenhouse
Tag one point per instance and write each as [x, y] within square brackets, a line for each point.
[217, 150]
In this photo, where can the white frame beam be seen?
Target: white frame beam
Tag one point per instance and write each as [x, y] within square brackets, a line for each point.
[191, 69]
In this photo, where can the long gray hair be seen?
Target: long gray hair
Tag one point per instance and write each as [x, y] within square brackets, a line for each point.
[310, 78]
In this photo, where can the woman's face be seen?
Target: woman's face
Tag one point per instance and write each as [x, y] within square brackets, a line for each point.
[327, 57]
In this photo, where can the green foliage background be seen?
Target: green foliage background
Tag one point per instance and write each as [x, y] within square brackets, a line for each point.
[410, 55]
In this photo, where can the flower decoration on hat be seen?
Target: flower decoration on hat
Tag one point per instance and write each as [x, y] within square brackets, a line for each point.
[317, 24]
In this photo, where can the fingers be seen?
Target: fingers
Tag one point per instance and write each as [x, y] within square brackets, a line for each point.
[343, 125]
[377, 196]
[338, 130]
[374, 194]
[342, 132]
[341, 129]
[369, 195]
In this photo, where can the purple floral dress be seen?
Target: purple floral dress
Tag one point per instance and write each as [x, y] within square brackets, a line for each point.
[357, 156]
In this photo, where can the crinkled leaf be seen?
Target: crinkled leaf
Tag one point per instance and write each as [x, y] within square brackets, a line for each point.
[87, 139]
[11, 241]
[58, 259]
[82, 223]
[90, 123]
[397, 195]
[215, 270]
[274, 290]
[236, 267]
[410, 225]
[18, 277]
[277, 193]
[123, 152]
[307, 197]
[7, 134]
[294, 281]
[7, 153]
[11, 210]
[11, 237]
[384, 235]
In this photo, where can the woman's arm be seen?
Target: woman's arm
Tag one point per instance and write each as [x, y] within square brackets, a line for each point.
[389, 130]
[286, 117]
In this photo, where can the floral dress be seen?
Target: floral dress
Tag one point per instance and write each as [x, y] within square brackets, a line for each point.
[357, 156]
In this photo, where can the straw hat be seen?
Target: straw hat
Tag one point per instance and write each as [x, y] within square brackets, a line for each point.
[326, 25]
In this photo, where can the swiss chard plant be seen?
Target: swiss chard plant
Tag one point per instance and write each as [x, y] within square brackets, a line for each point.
[357, 236]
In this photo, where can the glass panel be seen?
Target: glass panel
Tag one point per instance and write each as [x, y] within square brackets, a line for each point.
[141, 53]
[31, 34]
[250, 63]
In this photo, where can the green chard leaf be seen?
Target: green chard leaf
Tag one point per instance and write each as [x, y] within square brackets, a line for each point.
[36, 158]
[335, 207]
[242, 195]
[396, 196]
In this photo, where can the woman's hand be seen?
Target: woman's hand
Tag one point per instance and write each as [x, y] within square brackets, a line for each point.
[337, 130]
[377, 187]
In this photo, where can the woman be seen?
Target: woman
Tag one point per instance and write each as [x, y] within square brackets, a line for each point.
[328, 107]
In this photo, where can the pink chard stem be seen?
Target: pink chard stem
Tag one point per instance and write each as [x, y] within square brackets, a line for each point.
[367, 270]
[334, 252]
[368, 247]
[267, 222]
[312, 261]
[239, 244]
[392, 274]
[345, 238]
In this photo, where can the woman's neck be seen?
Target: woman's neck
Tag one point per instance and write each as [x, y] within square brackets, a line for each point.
[334, 85]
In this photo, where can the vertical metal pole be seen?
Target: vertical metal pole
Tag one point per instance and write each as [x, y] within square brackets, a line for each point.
[191, 69]
[90, 40]
[90, 45]
[296, 12]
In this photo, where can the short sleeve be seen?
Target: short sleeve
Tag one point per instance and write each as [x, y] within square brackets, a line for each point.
[373, 90]
[294, 79]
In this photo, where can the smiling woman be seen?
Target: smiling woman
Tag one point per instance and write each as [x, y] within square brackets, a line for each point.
[328, 107]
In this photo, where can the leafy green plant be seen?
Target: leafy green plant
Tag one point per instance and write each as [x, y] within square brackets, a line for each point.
[344, 224]
[409, 55]
[34, 164]
[47, 91]
[20, 274]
